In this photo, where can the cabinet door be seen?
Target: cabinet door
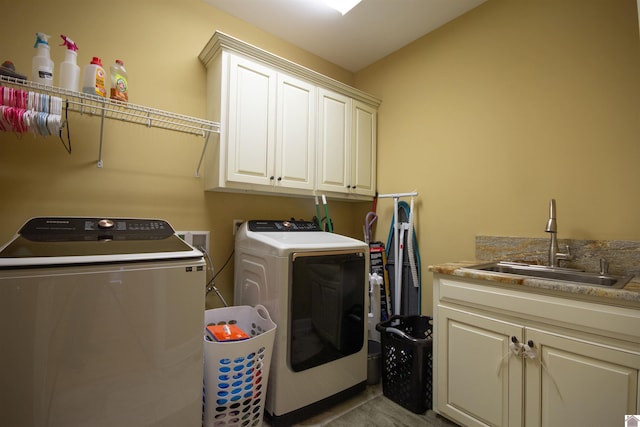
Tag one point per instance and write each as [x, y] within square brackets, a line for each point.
[251, 116]
[479, 380]
[577, 382]
[295, 134]
[334, 135]
[363, 150]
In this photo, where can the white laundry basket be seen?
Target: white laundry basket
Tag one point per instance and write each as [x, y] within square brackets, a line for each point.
[236, 372]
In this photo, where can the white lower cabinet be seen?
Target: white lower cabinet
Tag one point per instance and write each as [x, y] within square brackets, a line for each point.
[572, 376]
[478, 383]
[579, 382]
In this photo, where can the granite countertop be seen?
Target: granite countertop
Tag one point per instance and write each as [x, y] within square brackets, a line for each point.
[627, 296]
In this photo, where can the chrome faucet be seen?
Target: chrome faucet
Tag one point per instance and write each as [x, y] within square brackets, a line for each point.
[552, 227]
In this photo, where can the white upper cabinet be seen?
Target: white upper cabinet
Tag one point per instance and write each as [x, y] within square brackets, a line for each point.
[251, 99]
[334, 137]
[295, 133]
[284, 128]
[363, 149]
[271, 127]
[346, 145]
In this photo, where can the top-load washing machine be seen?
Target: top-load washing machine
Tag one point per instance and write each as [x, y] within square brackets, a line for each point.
[100, 325]
[314, 285]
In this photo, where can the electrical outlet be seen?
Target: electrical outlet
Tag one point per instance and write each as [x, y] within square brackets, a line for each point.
[197, 239]
[236, 225]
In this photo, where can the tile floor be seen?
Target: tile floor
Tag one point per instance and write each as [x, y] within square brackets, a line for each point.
[372, 409]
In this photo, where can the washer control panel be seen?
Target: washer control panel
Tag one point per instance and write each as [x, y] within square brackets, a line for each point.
[59, 229]
[286, 225]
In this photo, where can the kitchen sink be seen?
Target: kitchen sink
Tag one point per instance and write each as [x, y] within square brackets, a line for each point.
[554, 273]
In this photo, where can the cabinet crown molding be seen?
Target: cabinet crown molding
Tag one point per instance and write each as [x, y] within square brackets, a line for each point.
[221, 41]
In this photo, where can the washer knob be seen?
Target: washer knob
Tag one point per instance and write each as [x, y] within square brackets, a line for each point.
[105, 223]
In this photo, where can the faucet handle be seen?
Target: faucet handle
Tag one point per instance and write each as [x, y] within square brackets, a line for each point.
[566, 255]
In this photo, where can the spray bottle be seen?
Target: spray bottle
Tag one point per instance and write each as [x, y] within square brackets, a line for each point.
[69, 69]
[42, 65]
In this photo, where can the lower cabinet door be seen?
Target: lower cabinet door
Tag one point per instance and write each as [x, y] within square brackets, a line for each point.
[577, 382]
[479, 379]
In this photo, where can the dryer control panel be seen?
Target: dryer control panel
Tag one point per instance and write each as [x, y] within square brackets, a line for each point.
[286, 225]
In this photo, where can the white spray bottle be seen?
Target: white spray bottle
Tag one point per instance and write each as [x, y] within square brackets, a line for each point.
[42, 65]
[69, 69]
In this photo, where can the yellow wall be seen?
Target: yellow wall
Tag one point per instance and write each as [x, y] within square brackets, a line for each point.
[147, 172]
[488, 118]
[509, 106]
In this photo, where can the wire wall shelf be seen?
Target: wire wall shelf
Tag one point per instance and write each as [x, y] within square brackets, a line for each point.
[122, 111]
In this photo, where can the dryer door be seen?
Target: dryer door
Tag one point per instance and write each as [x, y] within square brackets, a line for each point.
[327, 309]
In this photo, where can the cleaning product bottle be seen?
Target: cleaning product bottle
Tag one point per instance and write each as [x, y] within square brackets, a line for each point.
[69, 69]
[42, 65]
[119, 82]
[93, 78]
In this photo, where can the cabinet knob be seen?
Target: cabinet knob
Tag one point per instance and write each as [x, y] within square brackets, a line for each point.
[514, 339]
[279, 178]
[348, 186]
[272, 178]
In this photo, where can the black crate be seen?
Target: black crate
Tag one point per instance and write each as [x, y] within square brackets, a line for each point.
[407, 361]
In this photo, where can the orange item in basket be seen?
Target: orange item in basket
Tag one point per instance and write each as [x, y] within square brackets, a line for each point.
[226, 333]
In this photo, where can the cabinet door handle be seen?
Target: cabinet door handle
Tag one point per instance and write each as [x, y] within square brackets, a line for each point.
[515, 347]
[529, 351]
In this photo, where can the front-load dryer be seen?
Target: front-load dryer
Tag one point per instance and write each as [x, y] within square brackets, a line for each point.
[314, 285]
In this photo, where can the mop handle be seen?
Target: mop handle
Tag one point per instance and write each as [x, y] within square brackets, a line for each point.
[318, 214]
[326, 211]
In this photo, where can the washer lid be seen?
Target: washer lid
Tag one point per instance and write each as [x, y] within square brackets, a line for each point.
[75, 240]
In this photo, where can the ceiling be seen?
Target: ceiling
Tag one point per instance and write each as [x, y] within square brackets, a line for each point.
[370, 31]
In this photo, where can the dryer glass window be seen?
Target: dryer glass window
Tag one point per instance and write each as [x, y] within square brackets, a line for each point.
[327, 307]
